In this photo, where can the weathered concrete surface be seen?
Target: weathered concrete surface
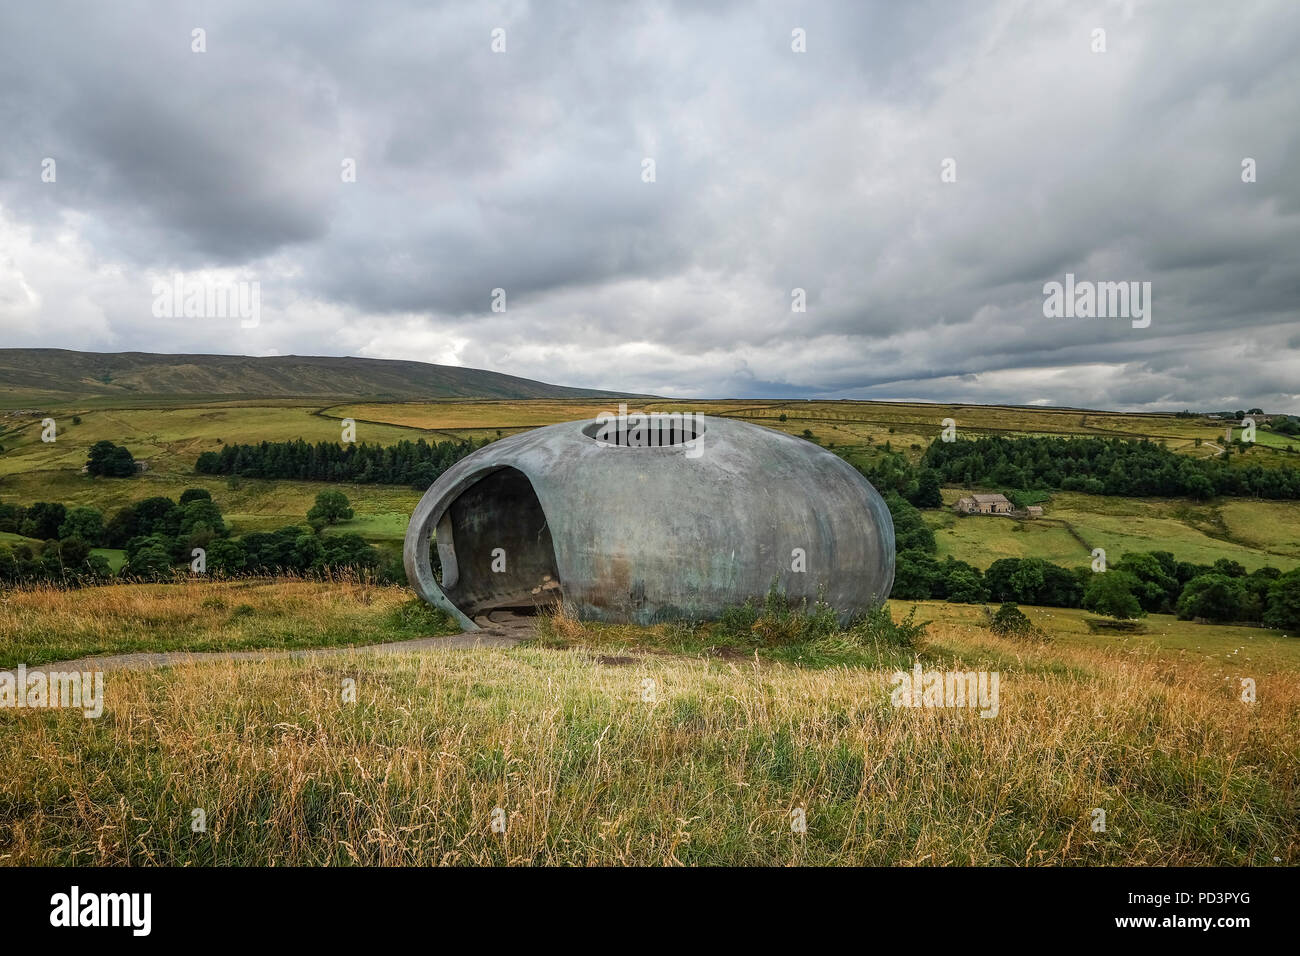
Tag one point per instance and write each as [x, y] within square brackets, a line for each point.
[649, 533]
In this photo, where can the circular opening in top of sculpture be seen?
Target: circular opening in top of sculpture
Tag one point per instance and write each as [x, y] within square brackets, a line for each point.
[653, 430]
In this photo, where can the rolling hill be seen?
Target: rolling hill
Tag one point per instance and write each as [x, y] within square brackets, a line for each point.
[54, 374]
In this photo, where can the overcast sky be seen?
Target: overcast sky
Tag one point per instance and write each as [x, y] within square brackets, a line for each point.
[774, 169]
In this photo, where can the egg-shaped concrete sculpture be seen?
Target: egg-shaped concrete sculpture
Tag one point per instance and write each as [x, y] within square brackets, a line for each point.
[647, 518]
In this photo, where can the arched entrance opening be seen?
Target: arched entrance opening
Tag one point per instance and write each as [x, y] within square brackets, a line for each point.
[495, 548]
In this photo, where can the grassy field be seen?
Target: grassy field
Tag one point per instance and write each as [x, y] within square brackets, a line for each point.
[738, 730]
[170, 438]
[1253, 533]
[586, 767]
[845, 423]
[1155, 636]
[43, 624]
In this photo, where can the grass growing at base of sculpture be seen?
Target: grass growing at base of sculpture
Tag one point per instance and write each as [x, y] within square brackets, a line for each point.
[776, 628]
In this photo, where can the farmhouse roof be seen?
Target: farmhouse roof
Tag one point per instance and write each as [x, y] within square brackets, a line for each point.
[990, 499]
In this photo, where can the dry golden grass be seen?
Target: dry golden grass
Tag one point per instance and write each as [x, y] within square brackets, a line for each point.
[40, 624]
[587, 771]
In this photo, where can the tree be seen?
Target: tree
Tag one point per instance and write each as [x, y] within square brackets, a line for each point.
[964, 584]
[1156, 589]
[915, 573]
[1111, 593]
[121, 464]
[122, 527]
[310, 553]
[1100, 466]
[1185, 571]
[194, 494]
[928, 490]
[100, 453]
[74, 551]
[11, 517]
[1229, 568]
[157, 515]
[227, 557]
[1214, 597]
[273, 551]
[43, 520]
[84, 523]
[997, 576]
[1283, 609]
[331, 461]
[1062, 587]
[209, 463]
[1009, 620]
[97, 568]
[1254, 593]
[1028, 580]
[201, 512]
[150, 561]
[331, 508]
[423, 475]
[351, 551]
[110, 460]
[911, 533]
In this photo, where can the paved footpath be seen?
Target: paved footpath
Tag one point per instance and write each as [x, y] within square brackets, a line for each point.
[500, 630]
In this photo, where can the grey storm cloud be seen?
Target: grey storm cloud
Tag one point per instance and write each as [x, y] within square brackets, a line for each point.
[775, 170]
